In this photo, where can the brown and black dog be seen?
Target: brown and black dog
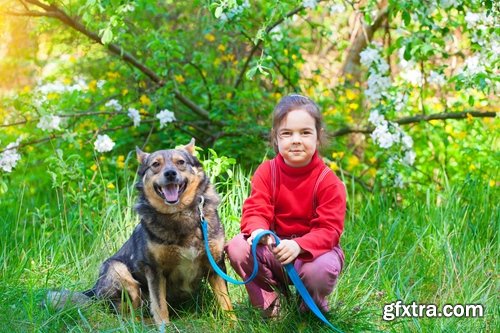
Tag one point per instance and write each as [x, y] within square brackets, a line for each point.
[164, 261]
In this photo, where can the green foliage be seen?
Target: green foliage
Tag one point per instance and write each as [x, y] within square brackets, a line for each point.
[437, 248]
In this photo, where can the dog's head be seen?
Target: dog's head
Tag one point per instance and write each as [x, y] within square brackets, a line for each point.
[170, 179]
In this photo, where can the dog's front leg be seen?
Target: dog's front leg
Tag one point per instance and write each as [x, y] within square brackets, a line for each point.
[157, 286]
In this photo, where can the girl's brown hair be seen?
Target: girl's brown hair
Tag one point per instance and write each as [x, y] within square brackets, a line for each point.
[295, 102]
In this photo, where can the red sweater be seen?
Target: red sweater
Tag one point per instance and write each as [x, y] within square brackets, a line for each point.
[293, 216]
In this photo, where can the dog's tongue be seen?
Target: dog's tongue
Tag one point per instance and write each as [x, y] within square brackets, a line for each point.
[171, 192]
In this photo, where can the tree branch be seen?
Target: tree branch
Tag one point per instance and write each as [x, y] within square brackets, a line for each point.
[259, 43]
[351, 63]
[417, 119]
[53, 11]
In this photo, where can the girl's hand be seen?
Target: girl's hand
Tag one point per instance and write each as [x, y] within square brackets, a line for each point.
[266, 240]
[287, 251]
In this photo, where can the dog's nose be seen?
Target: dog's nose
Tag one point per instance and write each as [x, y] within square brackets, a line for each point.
[170, 175]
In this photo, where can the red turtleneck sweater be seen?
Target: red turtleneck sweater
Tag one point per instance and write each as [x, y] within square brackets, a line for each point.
[293, 216]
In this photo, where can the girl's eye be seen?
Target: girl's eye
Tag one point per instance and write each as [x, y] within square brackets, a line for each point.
[155, 164]
[181, 162]
[306, 133]
[285, 134]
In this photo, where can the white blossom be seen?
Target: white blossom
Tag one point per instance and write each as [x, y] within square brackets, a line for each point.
[407, 141]
[375, 118]
[403, 63]
[114, 104]
[103, 143]
[100, 83]
[368, 56]
[49, 123]
[382, 136]
[412, 76]
[276, 33]
[409, 157]
[165, 116]
[400, 101]
[473, 66]
[310, 4]
[377, 87]
[55, 87]
[473, 19]
[135, 116]
[448, 3]
[436, 78]
[10, 157]
[398, 181]
[337, 8]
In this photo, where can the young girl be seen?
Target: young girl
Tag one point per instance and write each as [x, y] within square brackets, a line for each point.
[303, 202]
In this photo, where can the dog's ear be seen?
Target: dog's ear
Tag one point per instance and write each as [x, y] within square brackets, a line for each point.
[190, 147]
[141, 156]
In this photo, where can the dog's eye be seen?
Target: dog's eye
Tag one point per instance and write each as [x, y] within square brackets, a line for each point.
[155, 164]
[181, 162]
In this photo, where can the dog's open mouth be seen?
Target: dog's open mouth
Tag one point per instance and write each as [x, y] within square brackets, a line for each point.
[170, 193]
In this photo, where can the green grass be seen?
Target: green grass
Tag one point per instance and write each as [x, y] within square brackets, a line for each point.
[438, 248]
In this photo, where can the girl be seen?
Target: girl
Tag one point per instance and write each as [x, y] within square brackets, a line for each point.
[303, 202]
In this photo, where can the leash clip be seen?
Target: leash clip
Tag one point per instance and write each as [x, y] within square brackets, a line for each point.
[200, 207]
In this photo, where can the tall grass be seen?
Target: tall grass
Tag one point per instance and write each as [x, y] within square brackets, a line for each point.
[438, 248]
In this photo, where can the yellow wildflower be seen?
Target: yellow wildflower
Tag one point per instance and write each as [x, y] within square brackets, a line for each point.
[66, 81]
[102, 158]
[372, 160]
[113, 75]
[124, 92]
[492, 183]
[111, 186]
[26, 89]
[142, 84]
[472, 167]
[93, 167]
[350, 94]
[52, 96]
[334, 166]
[221, 48]
[353, 106]
[179, 78]
[338, 155]
[372, 172]
[120, 162]
[352, 162]
[92, 85]
[145, 100]
[210, 37]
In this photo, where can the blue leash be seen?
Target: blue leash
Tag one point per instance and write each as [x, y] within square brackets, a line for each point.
[292, 273]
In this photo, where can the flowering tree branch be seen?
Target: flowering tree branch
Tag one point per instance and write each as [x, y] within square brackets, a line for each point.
[417, 119]
[53, 11]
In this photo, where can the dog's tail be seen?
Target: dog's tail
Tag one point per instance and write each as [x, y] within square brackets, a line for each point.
[59, 299]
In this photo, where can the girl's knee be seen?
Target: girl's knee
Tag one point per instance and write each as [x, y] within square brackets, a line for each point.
[320, 276]
[237, 249]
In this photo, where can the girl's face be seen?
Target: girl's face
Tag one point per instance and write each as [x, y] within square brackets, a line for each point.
[297, 138]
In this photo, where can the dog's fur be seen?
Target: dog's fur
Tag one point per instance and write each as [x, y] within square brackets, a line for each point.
[164, 261]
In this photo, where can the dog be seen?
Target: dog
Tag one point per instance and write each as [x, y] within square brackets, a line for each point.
[164, 261]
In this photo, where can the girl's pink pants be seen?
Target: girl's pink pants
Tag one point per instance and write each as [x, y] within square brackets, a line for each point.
[319, 276]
